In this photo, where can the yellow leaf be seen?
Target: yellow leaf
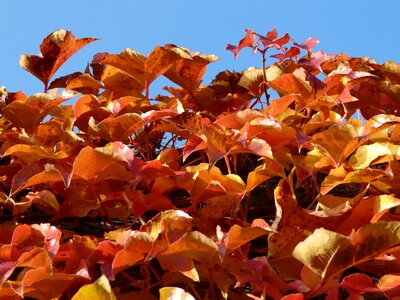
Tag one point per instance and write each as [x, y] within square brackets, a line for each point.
[174, 293]
[328, 253]
[99, 290]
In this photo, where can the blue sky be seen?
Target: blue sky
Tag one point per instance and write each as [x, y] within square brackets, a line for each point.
[359, 28]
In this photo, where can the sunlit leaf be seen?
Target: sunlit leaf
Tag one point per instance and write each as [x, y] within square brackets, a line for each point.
[146, 69]
[37, 258]
[172, 293]
[247, 41]
[193, 245]
[92, 165]
[100, 289]
[55, 49]
[81, 82]
[336, 142]
[117, 129]
[188, 73]
[366, 154]
[328, 253]
[30, 112]
[293, 224]
[342, 175]
[238, 236]
[291, 84]
[239, 119]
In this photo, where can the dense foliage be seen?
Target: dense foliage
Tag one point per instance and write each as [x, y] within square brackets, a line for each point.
[279, 182]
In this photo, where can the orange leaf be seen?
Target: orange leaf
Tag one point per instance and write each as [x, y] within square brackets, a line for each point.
[291, 84]
[29, 153]
[238, 119]
[36, 258]
[238, 236]
[36, 173]
[192, 245]
[94, 165]
[27, 236]
[43, 283]
[293, 225]
[146, 69]
[117, 129]
[142, 203]
[30, 112]
[188, 73]
[55, 50]
[83, 83]
[133, 252]
[337, 142]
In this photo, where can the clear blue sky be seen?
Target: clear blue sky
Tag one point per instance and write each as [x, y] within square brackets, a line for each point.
[356, 27]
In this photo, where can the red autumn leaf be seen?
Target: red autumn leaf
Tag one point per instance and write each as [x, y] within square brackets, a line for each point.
[43, 200]
[297, 296]
[291, 84]
[55, 50]
[193, 144]
[27, 237]
[292, 52]
[336, 142]
[358, 283]
[247, 41]
[275, 43]
[238, 119]
[272, 35]
[77, 253]
[153, 169]
[33, 174]
[29, 153]
[79, 200]
[143, 202]
[308, 44]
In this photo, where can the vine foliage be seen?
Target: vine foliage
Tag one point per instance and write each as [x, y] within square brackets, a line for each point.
[278, 182]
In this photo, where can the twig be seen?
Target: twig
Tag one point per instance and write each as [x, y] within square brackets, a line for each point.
[267, 96]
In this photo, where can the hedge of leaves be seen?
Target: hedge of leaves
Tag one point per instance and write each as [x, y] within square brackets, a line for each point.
[279, 182]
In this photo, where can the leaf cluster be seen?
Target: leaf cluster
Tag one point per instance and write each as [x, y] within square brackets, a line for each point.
[262, 184]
